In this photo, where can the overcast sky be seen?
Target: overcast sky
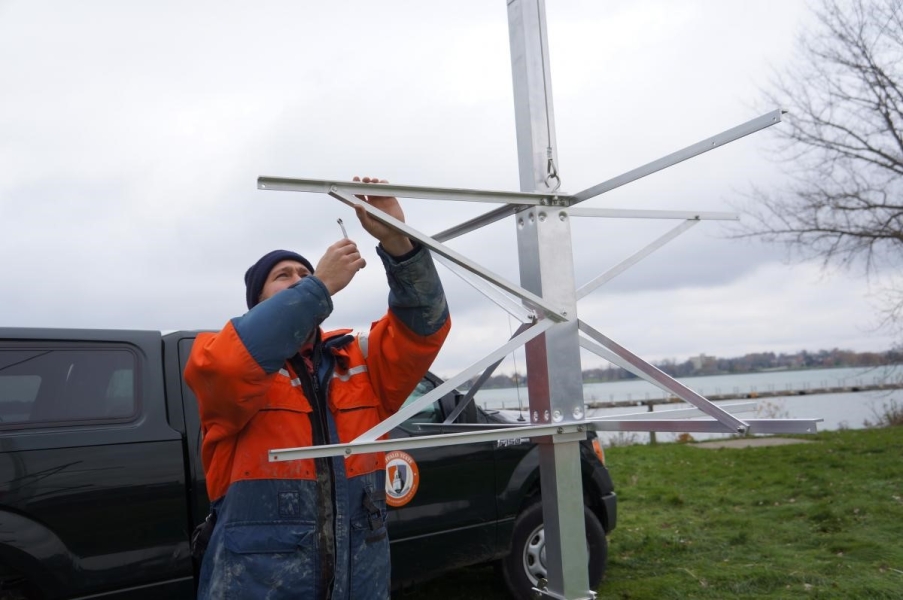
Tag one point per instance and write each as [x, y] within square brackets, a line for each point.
[132, 135]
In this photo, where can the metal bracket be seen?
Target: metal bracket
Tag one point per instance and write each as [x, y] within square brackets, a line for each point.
[542, 591]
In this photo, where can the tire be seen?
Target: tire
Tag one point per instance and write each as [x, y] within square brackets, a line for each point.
[15, 587]
[525, 562]
[19, 592]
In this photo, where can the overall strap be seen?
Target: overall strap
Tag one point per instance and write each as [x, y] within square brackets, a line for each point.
[316, 397]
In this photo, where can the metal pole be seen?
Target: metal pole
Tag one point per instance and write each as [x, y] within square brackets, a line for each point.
[547, 269]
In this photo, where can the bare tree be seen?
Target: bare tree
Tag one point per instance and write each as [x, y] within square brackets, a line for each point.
[842, 144]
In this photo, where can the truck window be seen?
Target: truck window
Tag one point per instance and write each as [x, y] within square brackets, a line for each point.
[428, 414]
[53, 386]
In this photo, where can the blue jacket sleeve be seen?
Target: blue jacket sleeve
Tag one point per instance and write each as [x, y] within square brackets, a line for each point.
[416, 296]
[273, 330]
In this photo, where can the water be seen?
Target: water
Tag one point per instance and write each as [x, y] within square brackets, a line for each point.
[838, 410]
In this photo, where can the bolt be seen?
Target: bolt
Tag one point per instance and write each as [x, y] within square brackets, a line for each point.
[545, 416]
[556, 416]
[578, 412]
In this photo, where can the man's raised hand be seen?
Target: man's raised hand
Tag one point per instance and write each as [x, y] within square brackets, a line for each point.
[393, 242]
[338, 265]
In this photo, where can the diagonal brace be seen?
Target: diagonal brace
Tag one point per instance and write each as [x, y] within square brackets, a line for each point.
[417, 405]
[479, 382]
[507, 303]
[529, 297]
[641, 368]
[634, 259]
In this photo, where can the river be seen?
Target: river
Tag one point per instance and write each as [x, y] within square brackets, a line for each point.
[838, 410]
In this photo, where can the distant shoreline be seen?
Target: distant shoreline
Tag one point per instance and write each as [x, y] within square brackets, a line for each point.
[752, 395]
[865, 368]
[503, 382]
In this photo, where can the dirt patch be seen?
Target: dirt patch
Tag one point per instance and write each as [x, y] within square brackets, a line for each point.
[751, 442]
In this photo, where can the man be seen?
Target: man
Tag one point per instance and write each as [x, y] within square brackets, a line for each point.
[312, 528]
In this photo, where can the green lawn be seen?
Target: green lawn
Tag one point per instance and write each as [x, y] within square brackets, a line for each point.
[819, 520]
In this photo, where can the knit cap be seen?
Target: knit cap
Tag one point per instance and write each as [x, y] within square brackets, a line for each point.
[257, 275]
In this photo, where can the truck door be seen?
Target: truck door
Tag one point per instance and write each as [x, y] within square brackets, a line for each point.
[91, 476]
[450, 519]
[178, 347]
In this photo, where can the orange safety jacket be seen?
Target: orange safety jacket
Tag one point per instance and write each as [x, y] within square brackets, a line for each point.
[246, 412]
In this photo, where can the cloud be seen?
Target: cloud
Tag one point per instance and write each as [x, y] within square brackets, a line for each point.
[133, 135]
[773, 308]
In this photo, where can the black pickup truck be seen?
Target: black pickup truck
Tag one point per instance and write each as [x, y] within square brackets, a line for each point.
[101, 481]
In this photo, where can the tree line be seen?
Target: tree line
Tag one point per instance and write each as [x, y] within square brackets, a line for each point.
[710, 365]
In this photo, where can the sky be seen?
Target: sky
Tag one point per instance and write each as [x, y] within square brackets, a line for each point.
[132, 135]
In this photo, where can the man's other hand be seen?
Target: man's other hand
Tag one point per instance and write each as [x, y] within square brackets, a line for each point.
[338, 265]
[393, 242]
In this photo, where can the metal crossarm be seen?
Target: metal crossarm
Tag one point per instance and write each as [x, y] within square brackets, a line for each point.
[716, 141]
[324, 186]
[492, 216]
[632, 213]
[754, 426]
[577, 430]
[429, 441]
[676, 413]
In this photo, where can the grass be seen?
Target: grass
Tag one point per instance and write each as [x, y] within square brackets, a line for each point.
[819, 520]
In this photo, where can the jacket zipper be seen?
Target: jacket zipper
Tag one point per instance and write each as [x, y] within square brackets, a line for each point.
[326, 541]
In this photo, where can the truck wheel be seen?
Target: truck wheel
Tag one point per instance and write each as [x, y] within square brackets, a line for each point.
[23, 592]
[15, 587]
[526, 562]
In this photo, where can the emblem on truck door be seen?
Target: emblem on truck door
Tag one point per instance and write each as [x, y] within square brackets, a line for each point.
[402, 478]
